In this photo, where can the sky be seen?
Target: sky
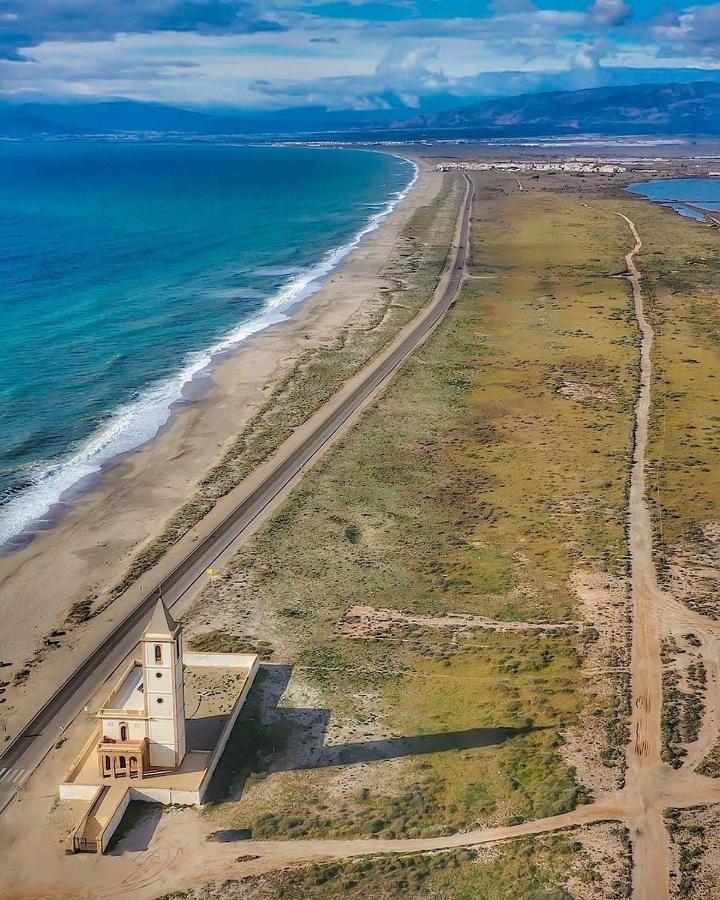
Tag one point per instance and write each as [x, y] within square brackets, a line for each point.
[345, 54]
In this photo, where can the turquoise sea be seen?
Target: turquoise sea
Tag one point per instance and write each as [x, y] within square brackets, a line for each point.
[677, 192]
[126, 268]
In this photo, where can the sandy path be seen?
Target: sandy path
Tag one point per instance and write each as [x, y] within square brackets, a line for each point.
[650, 842]
[361, 621]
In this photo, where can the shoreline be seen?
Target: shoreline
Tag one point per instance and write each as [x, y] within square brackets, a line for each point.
[92, 545]
[132, 425]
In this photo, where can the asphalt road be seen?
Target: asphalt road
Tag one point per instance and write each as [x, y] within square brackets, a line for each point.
[27, 750]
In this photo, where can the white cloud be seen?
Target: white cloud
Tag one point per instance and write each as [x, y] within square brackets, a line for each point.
[343, 62]
[610, 12]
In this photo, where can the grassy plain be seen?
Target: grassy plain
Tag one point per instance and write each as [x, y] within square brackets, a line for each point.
[491, 472]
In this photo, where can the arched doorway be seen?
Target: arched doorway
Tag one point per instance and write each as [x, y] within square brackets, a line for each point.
[134, 767]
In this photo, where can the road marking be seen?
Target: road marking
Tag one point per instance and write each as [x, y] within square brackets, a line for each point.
[18, 775]
[3, 773]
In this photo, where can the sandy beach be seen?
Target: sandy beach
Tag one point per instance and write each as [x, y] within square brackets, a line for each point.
[92, 544]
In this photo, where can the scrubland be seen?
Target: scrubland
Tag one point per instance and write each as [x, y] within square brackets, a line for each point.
[489, 479]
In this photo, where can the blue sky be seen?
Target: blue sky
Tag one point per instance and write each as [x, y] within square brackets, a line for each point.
[345, 54]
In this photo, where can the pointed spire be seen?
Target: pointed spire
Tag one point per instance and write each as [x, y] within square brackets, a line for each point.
[161, 622]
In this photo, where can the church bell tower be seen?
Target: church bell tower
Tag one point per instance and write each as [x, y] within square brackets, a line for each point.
[161, 645]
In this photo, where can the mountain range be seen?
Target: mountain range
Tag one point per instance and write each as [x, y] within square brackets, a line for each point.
[689, 109]
[645, 108]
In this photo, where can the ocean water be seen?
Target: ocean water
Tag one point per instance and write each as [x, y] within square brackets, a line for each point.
[126, 268]
[677, 192]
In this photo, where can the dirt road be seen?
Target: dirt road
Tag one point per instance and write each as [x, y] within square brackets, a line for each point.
[650, 848]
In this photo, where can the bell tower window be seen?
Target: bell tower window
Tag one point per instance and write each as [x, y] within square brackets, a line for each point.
[158, 653]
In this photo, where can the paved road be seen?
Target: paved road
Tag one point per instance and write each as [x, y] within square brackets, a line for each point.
[28, 749]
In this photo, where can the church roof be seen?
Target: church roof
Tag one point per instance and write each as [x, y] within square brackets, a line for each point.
[161, 622]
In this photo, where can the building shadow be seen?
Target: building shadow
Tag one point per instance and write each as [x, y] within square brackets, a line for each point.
[203, 732]
[254, 736]
[270, 738]
[414, 745]
[136, 829]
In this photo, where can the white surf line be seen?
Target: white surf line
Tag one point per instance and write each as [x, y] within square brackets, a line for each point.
[133, 424]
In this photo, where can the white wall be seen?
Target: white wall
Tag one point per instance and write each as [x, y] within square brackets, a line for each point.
[72, 791]
[137, 728]
[232, 718]
[165, 796]
[224, 660]
[115, 820]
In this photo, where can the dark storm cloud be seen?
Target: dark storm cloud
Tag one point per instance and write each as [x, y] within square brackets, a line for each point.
[26, 23]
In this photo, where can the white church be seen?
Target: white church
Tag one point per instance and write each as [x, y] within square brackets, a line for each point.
[146, 745]
[143, 726]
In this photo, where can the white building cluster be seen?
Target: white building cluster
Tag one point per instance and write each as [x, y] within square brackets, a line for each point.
[575, 167]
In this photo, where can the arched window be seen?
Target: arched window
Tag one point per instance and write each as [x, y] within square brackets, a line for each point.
[106, 763]
[123, 732]
[121, 762]
[158, 653]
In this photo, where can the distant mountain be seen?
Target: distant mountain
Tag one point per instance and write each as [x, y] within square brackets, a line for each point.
[632, 109]
[678, 108]
[133, 117]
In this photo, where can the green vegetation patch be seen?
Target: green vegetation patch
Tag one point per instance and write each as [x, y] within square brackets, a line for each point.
[219, 641]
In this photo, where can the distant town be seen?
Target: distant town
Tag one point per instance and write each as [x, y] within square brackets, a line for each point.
[575, 166]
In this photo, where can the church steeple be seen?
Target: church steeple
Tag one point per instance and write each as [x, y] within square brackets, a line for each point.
[161, 622]
[163, 688]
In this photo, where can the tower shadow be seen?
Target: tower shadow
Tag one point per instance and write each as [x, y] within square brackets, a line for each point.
[270, 738]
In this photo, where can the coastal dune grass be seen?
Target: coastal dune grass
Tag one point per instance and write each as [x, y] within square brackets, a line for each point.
[533, 869]
[494, 466]
[412, 273]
